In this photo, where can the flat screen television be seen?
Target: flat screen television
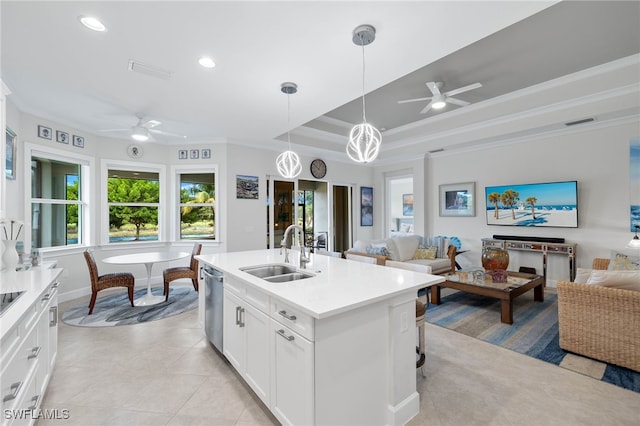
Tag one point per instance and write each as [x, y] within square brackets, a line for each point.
[552, 204]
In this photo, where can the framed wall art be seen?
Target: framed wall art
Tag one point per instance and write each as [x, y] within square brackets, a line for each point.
[44, 132]
[10, 164]
[247, 187]
[458, 199]
[407, 204]
[62, 137]
[78, 141]
[206, 154]
[195, 154]
[183, 154]
[366, 206]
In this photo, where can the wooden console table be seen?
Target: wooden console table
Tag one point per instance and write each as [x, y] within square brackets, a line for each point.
[568, 250]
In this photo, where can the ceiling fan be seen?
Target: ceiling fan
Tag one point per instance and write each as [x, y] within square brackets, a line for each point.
[142, 131]
[439, 100]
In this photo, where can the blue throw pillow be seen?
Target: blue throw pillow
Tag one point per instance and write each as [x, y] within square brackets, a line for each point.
[380, 251]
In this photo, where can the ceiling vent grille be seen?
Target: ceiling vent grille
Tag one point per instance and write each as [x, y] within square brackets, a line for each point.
[141, 68]
[584, 120]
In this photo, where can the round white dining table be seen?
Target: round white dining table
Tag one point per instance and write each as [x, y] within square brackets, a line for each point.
[148, 259]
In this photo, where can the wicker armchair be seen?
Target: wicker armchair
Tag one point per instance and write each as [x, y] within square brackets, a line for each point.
[101, 282]
[179, 272]
[600, 322]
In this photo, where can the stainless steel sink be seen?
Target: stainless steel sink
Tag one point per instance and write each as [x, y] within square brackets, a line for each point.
[288, 277]
[276, 273]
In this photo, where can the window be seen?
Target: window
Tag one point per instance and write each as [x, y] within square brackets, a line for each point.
[197, 207]
[133, 199]
[58, 205]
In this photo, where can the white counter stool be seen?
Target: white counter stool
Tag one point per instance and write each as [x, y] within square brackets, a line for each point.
[421, 309]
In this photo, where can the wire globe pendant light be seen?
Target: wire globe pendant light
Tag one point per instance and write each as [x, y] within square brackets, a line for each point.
[364, 139]
[288, 162]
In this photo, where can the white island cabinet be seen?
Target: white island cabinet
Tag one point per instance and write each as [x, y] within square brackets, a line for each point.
[334, 348]
[29, 328]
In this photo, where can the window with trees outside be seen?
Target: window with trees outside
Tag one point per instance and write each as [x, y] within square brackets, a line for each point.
[56, 202]
[133, 198]
[197, 206]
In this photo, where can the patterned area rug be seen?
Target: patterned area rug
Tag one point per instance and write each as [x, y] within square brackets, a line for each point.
[116, 309]
[534, 331]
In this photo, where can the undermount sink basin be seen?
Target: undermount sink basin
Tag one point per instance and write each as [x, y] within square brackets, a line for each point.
[276, 273]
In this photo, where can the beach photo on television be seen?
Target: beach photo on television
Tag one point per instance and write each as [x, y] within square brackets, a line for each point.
[553, 204]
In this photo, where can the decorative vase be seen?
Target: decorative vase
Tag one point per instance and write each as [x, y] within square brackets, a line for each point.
[495, 258]
[10, 255]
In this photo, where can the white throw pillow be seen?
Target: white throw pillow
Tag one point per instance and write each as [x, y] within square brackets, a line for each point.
[582, 275]
[621, 261]
[360, 246]
[406, 246]
[629, 280]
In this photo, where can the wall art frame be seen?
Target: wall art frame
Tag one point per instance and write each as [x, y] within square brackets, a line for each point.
[206, 154]
[458, 199]
[366, 206]
[10, 163]
[44, 132]
[407, 204]
[247, 187]
[78, 141]
[62, 137]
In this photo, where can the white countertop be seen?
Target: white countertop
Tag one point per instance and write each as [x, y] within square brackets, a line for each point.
[339, 285]
[33, 282]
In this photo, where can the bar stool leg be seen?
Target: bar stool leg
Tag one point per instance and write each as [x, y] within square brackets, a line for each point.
[420, 326]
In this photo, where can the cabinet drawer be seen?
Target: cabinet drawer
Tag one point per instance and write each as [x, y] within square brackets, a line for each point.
[292, 317]
[18, 370]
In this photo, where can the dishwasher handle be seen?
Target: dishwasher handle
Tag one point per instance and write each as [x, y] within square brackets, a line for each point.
[209, 274]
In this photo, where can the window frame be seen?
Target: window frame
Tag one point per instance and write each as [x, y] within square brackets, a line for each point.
[105, 166]
[86, 234]
[174, 214]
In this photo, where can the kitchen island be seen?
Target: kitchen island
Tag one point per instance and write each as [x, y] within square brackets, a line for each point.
[337, 347]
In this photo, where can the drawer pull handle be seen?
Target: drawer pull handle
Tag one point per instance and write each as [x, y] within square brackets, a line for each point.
[241, 317]
[55, 285]
[35, 400]
[287, 316]
[35, 352]
[15, 388]
[54, 316]
[46, 297]
[239, 311]
[281, 333]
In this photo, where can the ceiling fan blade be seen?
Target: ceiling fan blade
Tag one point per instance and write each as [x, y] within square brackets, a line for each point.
[463, 89]
[114, 130]
[149, 124]
[457, 101]
[433, 86]
[427, 108]
[162, 132]
[414, 100]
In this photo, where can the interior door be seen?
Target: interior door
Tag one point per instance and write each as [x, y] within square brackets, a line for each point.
[341, 238]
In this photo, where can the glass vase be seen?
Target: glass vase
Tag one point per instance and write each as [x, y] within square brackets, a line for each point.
[10, 255]
[495, 258]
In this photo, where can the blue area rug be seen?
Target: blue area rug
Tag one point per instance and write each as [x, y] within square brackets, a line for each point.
[534, 331]
[117, 310]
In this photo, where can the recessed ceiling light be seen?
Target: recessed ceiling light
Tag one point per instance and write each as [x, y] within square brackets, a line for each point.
[92, 23]
[206, 62]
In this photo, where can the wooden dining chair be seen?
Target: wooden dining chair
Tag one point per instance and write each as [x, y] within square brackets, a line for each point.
[101, 282]
[180, 272]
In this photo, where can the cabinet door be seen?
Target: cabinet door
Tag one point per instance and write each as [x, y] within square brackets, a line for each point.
[256, 372]
[292, 379]
[233, 337]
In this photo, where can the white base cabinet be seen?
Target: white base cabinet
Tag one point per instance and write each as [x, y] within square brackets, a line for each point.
[29, 350]
[357, 367]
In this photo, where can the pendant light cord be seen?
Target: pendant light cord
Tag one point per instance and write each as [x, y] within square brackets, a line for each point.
[289, 119]
[364, 115]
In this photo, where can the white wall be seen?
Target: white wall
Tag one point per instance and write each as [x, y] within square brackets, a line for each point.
[596, 156]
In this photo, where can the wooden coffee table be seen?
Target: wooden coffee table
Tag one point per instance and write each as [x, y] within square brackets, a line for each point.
[518, 283]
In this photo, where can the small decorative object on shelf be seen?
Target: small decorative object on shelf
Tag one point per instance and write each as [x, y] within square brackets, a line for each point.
[495, 258]
[10, 231]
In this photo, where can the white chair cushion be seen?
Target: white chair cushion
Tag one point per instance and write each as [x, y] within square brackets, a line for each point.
[629, 280]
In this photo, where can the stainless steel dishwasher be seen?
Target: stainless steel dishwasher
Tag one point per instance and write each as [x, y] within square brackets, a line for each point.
[213, 306]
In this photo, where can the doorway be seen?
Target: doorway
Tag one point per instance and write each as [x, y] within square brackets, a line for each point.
[341, 237]
[399, 204]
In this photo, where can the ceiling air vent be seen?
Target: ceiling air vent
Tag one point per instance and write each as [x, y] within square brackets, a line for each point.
[136, 66]
[584, 120]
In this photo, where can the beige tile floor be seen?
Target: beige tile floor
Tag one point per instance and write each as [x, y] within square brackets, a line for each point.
[165, 373]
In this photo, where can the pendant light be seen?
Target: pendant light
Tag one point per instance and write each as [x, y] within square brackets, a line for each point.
[364, 139]
[288, 162]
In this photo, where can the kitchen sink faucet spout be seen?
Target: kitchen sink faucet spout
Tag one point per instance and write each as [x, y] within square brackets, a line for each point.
[304, 257]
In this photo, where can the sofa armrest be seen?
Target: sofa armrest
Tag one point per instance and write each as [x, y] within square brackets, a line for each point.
[600, 322]
[380, 260]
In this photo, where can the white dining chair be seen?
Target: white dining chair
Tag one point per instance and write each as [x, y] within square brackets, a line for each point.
[328, 253]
